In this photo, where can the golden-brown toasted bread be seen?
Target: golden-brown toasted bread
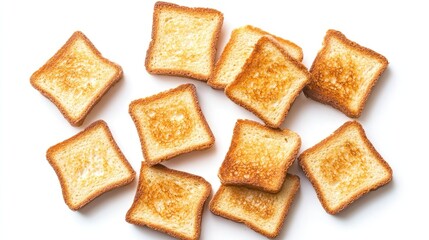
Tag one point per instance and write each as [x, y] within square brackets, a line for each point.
[261, 211]
[89, 164]
[344, 73]
[344, 166]
[169, 201]
[269, 82]
[76, 78]
[259, 156]
[183, 41]
[170, 123]
[238, 49]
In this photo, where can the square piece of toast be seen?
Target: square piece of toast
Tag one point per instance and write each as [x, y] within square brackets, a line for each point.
[169, 201]
[183, 41]
[170, 123]
[259, 156]
[261, 211]
[76, 78]
[89, 164]
[269, 82]
[344, 73]
[238, 49]
[344, 166]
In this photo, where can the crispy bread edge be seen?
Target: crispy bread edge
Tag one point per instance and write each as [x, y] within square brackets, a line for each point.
[195, 10]
[159, 227]
[251, 225]
[317, 186]
[326, 100]
[141, 132]
[297, 64]
[62, 178]
[63, 50]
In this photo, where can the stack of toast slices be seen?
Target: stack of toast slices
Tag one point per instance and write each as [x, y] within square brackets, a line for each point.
[257, 70]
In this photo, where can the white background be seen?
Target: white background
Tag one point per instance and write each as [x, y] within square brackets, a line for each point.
[395, 117]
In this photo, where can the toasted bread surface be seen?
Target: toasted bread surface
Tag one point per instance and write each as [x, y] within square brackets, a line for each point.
[169, 201]
[238, 49]
[76, 78]
[170, 123]
[269, 82]
[344, 73]
[89, 164]
[344, 166]
[261, 211]
[183, 41]
[259, 156]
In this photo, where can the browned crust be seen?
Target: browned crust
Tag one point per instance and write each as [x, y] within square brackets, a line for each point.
[129, 216]
[212, 80]
[326, 99]
[250, 108]
[61, 53]
[57, 168]
[196, 10]
[254, 183]
[251, 225]
[318, 187]
[141, 132]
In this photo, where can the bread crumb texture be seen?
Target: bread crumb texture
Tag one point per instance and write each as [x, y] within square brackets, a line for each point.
[89, 164]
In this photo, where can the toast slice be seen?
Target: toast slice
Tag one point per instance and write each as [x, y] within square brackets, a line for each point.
[76, 78]
[89, 164]
[261, 211]
[169, 201]
[238, 49]
[344, 166]
[183, 41]
[344, 73]
[170, 123]
[269, 82]
[259, 157]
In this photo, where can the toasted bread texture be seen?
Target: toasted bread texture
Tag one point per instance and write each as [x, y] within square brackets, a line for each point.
[259, 156]
[76, 78]
[238, 49]
[261, 211]
[169, 201]
[170, 123]
[269, 82]
[344, 166]
[344, 73]
[89, 164]
[183, 41]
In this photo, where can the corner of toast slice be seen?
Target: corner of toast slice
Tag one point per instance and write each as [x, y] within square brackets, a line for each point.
[344, 73]
[169, 201]
[269, 82]
[259, 156]
[170, 123]
[344, 166]
[76, 78]
[183, 41]
[89, 164]
[261, 211]
[239, 48]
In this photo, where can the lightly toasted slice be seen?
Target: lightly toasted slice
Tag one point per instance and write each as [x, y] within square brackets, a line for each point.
[170, 123]
[261, 211]
[259, 156]
[169, 201]
[76, 78]
[269, 82]
[89, 164]
[183, 41]
[344, 166]
[344, 73]
[238, 49]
